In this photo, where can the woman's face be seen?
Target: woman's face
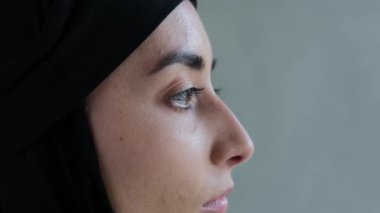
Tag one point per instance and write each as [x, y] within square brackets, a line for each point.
[165, 141]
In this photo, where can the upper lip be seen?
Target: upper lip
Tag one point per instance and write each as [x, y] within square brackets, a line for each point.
[224, 193]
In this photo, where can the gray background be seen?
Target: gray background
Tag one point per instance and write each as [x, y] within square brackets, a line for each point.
[303, 77]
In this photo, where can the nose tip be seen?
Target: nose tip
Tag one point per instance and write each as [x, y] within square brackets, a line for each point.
[248, 151]
[243, 151]
[232, 151]
[233, 145]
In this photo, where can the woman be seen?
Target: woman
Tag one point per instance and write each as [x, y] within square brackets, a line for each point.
[148, 136]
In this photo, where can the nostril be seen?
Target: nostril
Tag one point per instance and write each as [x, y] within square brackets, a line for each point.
[235, 160]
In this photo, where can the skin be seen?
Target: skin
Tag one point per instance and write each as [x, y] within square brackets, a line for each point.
[155, 156]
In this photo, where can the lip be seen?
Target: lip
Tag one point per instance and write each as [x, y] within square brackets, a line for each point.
[218, 204]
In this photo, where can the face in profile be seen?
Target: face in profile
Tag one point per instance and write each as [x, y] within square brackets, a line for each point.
[165, 141]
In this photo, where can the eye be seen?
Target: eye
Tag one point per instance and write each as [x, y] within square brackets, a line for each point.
[217, 91]
[184, 100]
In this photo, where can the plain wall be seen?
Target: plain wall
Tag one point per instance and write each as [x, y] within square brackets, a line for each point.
[303, 77]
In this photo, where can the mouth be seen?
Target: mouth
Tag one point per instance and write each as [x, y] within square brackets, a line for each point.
[219, 204]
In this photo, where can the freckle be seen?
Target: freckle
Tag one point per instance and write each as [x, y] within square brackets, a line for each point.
[121, 139]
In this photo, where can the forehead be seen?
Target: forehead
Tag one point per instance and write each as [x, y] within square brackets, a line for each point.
[182, 30]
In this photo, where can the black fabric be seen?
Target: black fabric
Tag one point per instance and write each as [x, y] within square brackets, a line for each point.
[53, 53]
[69, 48]
[57, 173]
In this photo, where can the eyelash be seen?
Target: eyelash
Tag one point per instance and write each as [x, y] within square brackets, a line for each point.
[184, 99]
[217, 91]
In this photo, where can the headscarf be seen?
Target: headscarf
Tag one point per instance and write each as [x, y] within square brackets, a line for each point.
[53, 54]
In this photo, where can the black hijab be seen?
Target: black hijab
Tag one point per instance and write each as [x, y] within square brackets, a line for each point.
[53, 53]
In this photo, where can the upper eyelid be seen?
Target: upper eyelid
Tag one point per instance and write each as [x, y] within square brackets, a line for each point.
[193, 90]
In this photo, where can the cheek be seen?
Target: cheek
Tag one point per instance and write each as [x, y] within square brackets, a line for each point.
[156, 156]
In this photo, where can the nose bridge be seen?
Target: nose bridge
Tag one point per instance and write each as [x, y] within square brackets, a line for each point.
[232, 144]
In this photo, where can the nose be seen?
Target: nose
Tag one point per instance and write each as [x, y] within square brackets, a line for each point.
[232, 144]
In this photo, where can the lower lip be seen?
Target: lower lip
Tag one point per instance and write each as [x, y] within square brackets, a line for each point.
[219, 205]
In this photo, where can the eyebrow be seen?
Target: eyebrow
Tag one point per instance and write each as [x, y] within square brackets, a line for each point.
[189, 59]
